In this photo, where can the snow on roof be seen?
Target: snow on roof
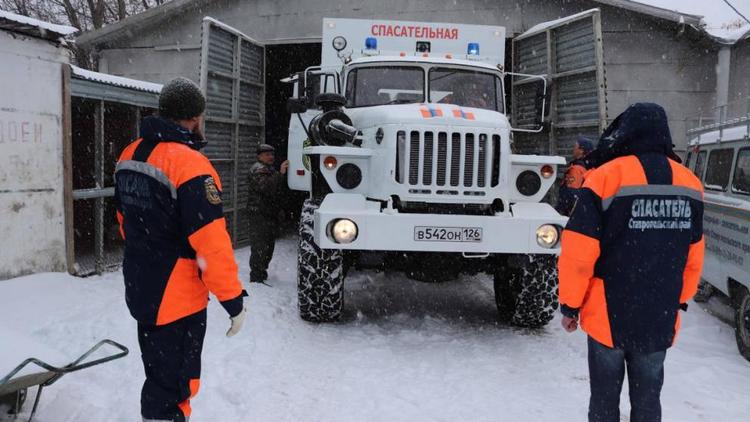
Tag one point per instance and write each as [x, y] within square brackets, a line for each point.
[116, 80]
[539, 28]
[720, 20]
[34, 27]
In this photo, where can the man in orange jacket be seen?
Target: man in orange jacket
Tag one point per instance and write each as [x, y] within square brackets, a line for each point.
[631, 258]
[177, 249]
[574, 176]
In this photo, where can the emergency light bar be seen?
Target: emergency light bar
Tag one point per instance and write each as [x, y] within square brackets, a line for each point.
[473, 49]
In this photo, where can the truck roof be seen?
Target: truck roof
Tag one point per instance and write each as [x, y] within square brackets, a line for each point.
[418, 59]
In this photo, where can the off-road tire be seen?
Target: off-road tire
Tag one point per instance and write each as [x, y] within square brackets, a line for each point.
[742, 324]
[705, 290]
[320, 273]
[526, 290]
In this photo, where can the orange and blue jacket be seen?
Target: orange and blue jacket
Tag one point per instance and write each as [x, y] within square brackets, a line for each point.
[177, 249]
[632, 251]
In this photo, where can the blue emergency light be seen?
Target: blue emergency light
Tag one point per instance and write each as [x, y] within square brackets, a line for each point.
[371, 43]
[473, 49]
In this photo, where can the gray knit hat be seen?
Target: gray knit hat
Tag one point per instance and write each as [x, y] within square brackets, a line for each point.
[265, 148]
[181, 99]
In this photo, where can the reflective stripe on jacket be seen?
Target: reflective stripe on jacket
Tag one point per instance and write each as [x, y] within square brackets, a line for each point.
[632, 251]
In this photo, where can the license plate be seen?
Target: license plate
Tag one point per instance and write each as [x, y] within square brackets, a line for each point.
[447, 234]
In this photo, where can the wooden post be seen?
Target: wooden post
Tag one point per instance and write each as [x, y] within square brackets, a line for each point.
[67, 156]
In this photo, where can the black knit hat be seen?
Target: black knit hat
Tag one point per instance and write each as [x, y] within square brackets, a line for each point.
[181, 99]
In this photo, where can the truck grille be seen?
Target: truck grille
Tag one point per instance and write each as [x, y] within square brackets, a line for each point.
[447, 163]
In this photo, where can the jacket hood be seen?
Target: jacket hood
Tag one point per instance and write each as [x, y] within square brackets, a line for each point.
[642, 128]
[157, 129]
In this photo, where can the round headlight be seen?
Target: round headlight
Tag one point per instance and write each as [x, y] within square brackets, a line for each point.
[547, 236]
[344, 231]
[349, 176]
[339, 43]
[528, 183]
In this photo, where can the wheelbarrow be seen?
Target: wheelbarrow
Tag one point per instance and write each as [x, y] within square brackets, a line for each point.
[13, 389]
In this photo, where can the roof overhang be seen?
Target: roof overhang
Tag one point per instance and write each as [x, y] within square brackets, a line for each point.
[34, 27]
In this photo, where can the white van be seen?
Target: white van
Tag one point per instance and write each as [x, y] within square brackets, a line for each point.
[721, 159]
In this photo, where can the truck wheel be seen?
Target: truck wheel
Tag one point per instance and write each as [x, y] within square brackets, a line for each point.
[742, 324]
[526, 295]
[320, 273]
[705, 290]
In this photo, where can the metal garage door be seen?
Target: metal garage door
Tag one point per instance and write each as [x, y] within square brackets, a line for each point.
[232, 76]
[569, 51]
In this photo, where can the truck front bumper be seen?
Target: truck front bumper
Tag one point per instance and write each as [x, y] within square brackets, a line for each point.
[512, 232]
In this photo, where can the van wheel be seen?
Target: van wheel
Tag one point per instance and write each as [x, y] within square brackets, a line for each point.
[320, 273]
[526, 295]
[705, 290]
[742, 324]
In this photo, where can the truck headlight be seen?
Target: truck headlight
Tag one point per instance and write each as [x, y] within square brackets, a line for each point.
[547, 236]
[528, 183]
[343, 230]
[349, 176]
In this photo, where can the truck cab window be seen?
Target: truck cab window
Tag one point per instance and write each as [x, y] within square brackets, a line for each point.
[741, 180]
[466, 88]
[719, 166]
[373, 86]
[700, 164]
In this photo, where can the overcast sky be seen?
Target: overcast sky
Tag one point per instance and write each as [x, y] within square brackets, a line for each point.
[715, 12]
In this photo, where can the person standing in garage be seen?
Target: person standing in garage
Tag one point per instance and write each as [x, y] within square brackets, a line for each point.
[263, 205]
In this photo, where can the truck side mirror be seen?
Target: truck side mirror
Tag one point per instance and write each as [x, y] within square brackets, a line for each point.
[296, 105]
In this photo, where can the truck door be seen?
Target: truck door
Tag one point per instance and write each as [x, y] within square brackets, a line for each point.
[232, 76]
[569, 51]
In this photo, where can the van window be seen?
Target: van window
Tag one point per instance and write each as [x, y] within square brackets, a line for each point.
[719, 166]
[741, 181]
[700, 164]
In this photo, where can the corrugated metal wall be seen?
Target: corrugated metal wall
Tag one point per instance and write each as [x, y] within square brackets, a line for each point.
[232, 76]
[570, 53]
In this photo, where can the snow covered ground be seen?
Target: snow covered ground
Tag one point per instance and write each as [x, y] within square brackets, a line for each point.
[407, 351]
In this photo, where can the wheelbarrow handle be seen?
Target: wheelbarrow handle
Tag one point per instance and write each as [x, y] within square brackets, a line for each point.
[76, 365]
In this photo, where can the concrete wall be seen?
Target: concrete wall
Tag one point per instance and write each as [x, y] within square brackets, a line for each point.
[646, 59]
[31, 162]
[739, 78]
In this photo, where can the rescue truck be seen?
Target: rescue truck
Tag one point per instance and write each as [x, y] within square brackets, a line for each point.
[719, 155]
[402, 141]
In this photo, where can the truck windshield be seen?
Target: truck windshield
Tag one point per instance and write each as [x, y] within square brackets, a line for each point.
[466, 88]
[371, 86]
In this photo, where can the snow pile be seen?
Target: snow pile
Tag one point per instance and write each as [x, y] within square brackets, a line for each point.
[41, 25]
[405, 351]
[116, 80]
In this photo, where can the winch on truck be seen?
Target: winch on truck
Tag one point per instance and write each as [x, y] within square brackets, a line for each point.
[402, 140]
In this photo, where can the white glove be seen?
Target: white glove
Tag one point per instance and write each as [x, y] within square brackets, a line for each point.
[237, 322]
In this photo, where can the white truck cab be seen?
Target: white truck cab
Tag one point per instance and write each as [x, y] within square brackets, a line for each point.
[401, 138]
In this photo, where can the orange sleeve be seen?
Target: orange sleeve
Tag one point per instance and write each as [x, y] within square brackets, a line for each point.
[574, 176]
[692, 274]
[215, 256]
[580, 247]
[576, 267]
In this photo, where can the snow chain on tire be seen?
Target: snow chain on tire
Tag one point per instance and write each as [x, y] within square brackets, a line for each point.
[532, 289]
[320, 273]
